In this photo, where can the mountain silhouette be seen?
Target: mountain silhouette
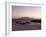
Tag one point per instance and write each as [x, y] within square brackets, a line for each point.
[26, 19]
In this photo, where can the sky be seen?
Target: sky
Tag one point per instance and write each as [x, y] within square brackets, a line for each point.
[26, 11]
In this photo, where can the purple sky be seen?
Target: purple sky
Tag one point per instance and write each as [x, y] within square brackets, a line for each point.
[26, 11]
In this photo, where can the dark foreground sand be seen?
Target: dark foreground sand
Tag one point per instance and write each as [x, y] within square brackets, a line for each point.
[32, 26]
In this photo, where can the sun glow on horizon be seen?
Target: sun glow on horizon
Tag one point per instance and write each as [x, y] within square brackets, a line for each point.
[20, 11]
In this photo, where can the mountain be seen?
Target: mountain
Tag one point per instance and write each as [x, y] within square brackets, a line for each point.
[25, 18]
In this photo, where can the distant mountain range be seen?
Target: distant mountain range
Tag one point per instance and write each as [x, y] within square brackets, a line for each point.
[27, 19]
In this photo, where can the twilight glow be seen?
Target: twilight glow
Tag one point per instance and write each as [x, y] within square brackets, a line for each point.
[26, 11]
